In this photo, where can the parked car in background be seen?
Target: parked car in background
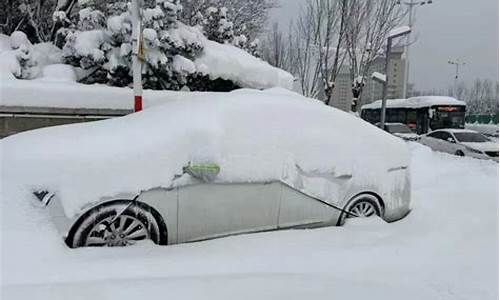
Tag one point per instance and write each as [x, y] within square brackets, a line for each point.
[400, 130]
[462, 142]
[489, 130]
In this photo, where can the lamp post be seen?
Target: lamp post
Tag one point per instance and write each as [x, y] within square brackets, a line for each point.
[393, 34]
[410, 4]
[457, 64]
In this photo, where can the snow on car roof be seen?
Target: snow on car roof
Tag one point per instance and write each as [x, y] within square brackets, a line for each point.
[453, 130]
[415, 102]
[252, 135]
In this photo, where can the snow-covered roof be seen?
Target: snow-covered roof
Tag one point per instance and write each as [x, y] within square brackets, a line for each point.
[415, 102]
[254, 136]
[399, 30]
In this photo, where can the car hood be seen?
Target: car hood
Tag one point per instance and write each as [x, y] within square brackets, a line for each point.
[408, 136]
[485, 147]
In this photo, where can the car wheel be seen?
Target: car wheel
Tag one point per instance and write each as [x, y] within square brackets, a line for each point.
[459, 153]
[362, 206]
[115, 225]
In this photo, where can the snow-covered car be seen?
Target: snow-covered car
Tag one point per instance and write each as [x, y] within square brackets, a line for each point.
[461, 142]
[488, 130]
[400, 130]
[209, 166]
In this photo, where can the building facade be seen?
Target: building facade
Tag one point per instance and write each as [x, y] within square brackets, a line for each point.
[342, 95]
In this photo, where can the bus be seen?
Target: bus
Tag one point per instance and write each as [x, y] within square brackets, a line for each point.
[421, 114]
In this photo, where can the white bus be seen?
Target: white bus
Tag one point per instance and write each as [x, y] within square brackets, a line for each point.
[422, 114]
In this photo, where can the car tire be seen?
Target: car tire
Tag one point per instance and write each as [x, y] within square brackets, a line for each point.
[459, 153]
[119, 223]
[365, 205]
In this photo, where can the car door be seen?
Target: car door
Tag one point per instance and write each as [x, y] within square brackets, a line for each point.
[299, 210]
[212, 210]
[448, 143]
[433, 140]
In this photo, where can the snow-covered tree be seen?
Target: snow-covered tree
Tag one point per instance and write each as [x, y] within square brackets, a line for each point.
[316, 53]
[276, 48]
[248, 16]
[247, 20]
[481, 98]
[367, 26]
[104, 51]
[216, 25]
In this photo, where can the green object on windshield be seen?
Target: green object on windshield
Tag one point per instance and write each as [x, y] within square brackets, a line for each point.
[205, 172]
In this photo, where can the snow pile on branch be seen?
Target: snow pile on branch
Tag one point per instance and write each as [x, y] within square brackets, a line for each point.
[239, 129]
[231, 63]
[416, 102]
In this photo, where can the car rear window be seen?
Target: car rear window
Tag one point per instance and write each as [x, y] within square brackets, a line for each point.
[470, 137]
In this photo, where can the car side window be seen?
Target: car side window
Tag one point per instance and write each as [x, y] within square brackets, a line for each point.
[436, 135]
[446, 136]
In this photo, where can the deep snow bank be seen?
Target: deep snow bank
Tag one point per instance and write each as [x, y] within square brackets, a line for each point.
[447, 248]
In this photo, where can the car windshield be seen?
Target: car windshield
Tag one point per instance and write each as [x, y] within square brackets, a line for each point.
[470, 137]
[398, 128]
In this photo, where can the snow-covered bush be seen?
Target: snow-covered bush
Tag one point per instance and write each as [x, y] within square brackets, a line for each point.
[104, 51]
[24, 55]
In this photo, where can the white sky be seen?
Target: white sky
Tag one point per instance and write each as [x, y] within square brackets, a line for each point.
[446, 29]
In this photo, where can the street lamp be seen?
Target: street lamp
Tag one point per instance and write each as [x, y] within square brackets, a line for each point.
[393, 34]
[457, 64]
[411, 4]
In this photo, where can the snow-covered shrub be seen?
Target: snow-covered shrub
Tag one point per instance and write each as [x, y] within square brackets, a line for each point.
[104, 52]
[24, 55]
[90, 18]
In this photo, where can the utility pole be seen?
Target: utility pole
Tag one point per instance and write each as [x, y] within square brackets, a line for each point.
[393, 34]
[410, 4]
[457, 63]
[137, 54]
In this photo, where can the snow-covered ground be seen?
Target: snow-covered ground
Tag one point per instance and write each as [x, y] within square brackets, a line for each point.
[447, 248]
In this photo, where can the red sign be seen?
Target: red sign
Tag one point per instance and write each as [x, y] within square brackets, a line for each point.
[448, 109]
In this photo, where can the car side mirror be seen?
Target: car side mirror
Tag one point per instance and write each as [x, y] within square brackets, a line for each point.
[451, 140]
[205, 172]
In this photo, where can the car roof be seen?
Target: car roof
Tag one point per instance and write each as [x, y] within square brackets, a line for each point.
[454, 130]
[386, 123]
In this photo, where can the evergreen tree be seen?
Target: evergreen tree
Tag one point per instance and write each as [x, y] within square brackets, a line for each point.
[104, 49]
[216, 25]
